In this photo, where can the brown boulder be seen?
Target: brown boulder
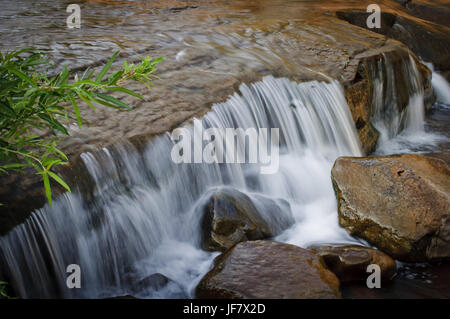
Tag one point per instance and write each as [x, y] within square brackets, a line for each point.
[399, 203]
[268, 269]
[349, 262]
[231, 216]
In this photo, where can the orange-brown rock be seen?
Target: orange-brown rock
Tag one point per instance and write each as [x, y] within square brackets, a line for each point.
[268, 269]
[399, 203]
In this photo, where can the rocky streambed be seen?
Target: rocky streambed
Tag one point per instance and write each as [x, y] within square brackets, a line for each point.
[395, 207]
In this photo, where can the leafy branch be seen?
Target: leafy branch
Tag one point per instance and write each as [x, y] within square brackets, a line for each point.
[34, 106]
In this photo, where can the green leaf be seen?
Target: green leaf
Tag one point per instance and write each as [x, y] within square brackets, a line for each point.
[54, 123]
[86, 97]
[49, 162]
[64, 156]
[85, 82]
[112, 80]
[59, 180]
[21, 75]
[76, 109]
[47, 188]
[62, 79]
[13, 166]
[124, 90]
[83, 76]
[157, 60]
[105, 69]
[113, 100]
[19, 52]
[6, 109]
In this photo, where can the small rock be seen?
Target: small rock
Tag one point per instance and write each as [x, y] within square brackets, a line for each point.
[349, 262]
[155, 282]
[231, 216]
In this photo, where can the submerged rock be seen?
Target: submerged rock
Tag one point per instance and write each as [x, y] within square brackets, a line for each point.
[157, 285]
[268, 269]
[399, 203]
[155, 282]
[349, 262]
[231, 216]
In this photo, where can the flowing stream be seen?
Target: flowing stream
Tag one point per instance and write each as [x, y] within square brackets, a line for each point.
[144, 218]
[144, 215]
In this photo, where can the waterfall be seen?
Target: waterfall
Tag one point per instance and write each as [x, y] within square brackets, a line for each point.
[398, 110]
[440, 85]
[392, 84]
[143, 214]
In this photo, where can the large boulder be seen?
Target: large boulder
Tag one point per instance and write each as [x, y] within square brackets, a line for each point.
[268, 269]
[231, 216]
[399, 203]
[349, 262]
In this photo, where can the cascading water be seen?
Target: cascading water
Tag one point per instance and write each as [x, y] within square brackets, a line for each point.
[440, 85]
[143, 215]
[401, 127]
[389, 117]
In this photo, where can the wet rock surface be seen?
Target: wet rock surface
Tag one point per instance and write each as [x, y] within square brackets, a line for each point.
[399, 203]
[209, 47]
[349, 262]
[268, 269]
[427, 39]
[436, 11]
[231, 217]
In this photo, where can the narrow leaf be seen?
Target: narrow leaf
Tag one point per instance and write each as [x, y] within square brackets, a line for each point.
[124, 90]
[105, 69]
[48, 190]
[113, 100]
[59, 180]
[76, 110]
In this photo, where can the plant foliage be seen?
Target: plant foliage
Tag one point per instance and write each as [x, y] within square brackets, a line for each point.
[34, 107]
